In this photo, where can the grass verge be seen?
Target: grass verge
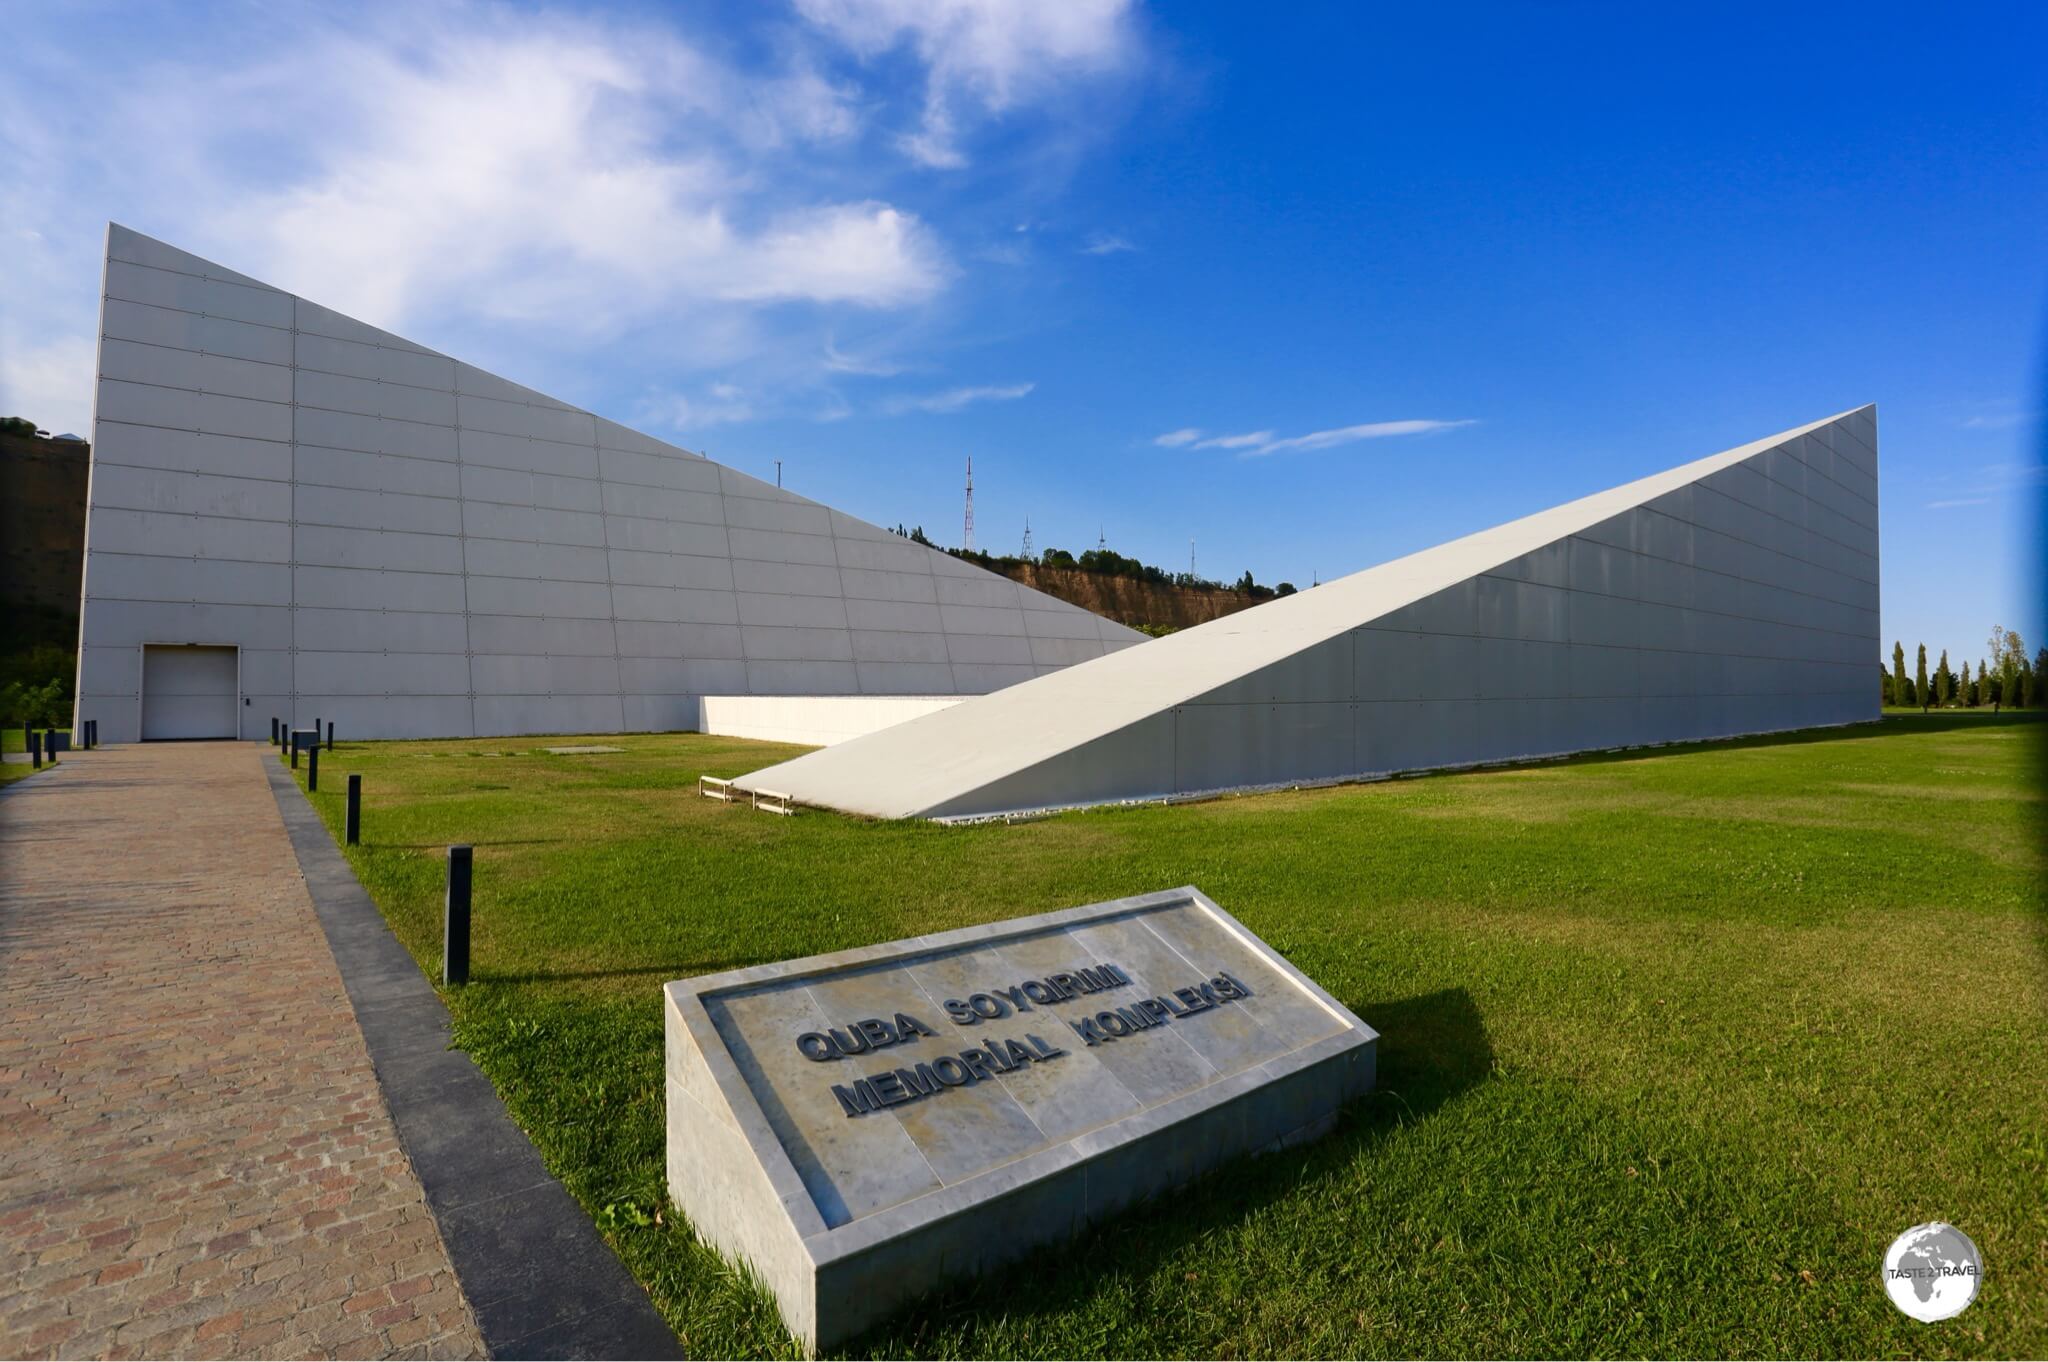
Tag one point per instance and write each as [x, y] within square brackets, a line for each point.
[1674, 1043]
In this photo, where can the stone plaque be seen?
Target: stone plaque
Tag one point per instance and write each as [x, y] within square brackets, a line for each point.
[860, 1127]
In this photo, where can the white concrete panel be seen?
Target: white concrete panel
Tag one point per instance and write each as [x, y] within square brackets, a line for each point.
[189, 293]
[308, 471]
[138, 577]
[356, 589]
[207, 413]
[180, 535]
[801, 518]
[812, 720]
[530, 634]
[896, 678]
[810, 612]
[316, 505]
[155, 489]
[189, 451]
[119, 623]
[996, 592]
[882, 646]
[540, 674]
[184, 330]
[772, 546]
[899, 616]
[988, 649]
[170, 368]
[527, 596]
[781, 644]
[652, 639]
[382, 673]
[366, 631]
[801, 677]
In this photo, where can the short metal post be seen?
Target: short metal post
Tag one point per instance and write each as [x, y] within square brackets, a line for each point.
[316, 730]
[330, 732]
[273, 730]
[35, 749]
[50, 745]
[313, 770]
[292, 741]
[352, 821]
[455, 919]
[92, 733]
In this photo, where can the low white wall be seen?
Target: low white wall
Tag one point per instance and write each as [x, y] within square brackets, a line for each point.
[814, 720]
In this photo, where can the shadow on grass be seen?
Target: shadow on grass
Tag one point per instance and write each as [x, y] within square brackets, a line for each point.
[1432, 1048]
[687, 969]
[1890, 726]
[473, 842]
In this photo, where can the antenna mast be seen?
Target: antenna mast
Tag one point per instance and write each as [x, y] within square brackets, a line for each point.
[1191, 556]
[967, 530]
[1027, 538]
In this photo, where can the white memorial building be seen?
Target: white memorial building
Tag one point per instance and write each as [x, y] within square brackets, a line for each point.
[296, 515]
[1734, 595]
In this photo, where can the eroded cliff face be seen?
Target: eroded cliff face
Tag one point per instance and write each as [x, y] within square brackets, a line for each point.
[1127, 600]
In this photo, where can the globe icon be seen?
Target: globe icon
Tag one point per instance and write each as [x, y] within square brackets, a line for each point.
[1932, 1271]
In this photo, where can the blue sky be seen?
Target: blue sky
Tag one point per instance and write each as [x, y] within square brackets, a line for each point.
[1314, 286]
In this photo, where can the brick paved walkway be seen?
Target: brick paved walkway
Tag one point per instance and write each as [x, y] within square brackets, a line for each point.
[195, 1159]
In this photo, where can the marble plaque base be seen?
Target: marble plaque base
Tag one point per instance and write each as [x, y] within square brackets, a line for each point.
[860, 1128]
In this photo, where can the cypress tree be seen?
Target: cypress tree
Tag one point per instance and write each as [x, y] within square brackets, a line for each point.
[1899, 674]
[1944, 681]
[1920, 681]
[1968, 698]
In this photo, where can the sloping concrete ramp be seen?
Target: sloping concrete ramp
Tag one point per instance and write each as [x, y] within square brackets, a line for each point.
[1736, 594]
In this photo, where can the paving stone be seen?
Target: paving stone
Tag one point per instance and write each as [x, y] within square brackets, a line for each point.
[195, 1157]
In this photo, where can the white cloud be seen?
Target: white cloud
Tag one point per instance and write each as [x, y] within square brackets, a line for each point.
[979, 55]
[722, 404]
[1253, 443]
[839, 362]
[2005, 420]
[1106, 243]
[953, 399]
[49, 383]
[1953, 503]
[1344, 435]
[1251, 439]
[450, 166]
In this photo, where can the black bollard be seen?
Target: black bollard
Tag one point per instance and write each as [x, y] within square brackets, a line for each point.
[35, 748]
[352, 821]
[293, 742]
[316, 730]
[273, 730]
[455, 919]
[313, 770]
[330, 732]
[50, 745]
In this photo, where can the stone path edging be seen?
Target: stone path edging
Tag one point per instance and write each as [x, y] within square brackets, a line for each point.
[541, 1281]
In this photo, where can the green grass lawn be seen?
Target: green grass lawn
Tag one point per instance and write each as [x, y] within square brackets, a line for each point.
[1673, 1044]
[12, 740]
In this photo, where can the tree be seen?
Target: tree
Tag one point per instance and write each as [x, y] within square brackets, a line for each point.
[1899, 674]
[1944, 681]
[1287, 589]
[1969, 697]
[2040, 671]
[1920, 681]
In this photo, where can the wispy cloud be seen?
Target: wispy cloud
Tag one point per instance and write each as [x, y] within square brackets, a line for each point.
[1255, 443]
[839, 362]
[523, 183]
[979, 58]
[954, 399]
[1251, 439]
[2005, 420]
[1106, 243]
[1954, 502]
[720, 404]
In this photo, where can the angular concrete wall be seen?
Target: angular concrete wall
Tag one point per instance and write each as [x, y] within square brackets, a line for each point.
[1734, 595]
[411, 547]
